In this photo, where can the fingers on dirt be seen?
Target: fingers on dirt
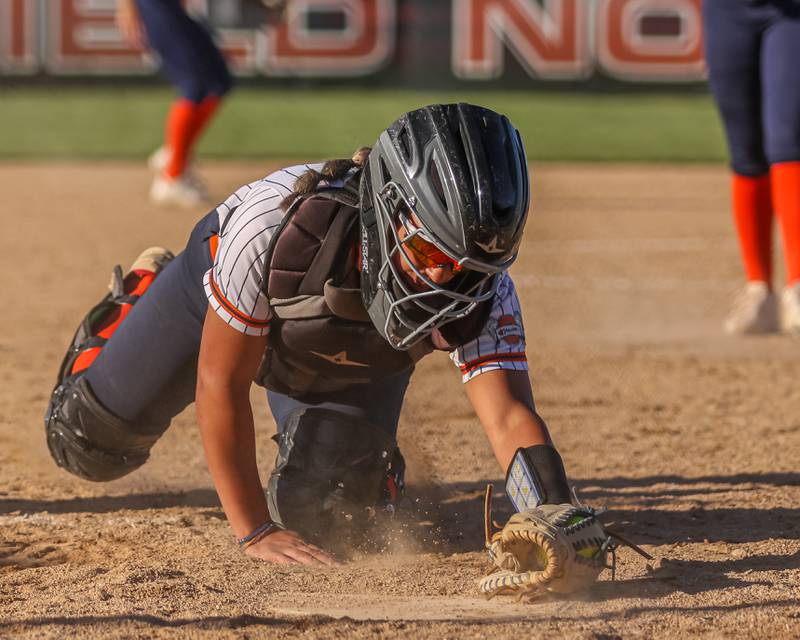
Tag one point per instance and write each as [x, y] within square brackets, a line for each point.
[310, 555]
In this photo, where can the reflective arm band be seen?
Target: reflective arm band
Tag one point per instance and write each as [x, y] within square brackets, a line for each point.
[536, 476]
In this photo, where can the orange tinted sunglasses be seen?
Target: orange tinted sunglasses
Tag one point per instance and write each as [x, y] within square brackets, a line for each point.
[427, 254]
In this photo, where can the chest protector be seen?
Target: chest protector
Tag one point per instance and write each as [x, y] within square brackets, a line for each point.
[321, 338]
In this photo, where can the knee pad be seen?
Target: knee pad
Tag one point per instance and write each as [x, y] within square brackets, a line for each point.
[332, 471]
[88, 440]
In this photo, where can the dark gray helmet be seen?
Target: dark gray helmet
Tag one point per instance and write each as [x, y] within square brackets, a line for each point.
[461, 171]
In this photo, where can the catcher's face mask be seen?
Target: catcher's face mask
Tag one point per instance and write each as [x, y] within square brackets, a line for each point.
[444, 200]
[425, 285]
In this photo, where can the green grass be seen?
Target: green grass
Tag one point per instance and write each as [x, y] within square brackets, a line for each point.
[287, 123]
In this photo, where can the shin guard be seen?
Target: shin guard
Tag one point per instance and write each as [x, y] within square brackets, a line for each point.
[83, 436]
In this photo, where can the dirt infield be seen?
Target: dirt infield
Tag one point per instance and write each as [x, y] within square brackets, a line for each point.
[691, 439]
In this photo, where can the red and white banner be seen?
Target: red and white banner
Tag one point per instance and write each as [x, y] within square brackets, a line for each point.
[474, 40]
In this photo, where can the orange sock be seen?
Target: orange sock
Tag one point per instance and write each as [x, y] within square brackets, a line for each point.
[203, 114]
[786, 196]
[752, 212]
[180, 124]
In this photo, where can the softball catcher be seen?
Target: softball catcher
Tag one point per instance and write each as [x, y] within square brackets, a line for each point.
[326, 284]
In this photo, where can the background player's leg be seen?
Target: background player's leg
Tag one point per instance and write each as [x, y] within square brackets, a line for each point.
[733, 43]
[178, 136]
[781, 88]
[211, 72]
[195, 66]
[733, 33]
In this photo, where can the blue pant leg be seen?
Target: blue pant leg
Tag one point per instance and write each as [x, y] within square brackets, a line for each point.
[378, 403]
[732, 34]
[780, 70]
[323, 459]
[142, 369]
[189, 58]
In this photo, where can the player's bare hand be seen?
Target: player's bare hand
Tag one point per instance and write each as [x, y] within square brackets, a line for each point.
[286, 547]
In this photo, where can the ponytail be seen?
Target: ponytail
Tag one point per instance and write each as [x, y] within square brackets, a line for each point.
[332, 171]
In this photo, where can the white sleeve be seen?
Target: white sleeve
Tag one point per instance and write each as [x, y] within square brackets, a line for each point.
[501, 344]
[250, 218]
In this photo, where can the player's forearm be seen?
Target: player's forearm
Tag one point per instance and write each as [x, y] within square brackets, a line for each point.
[226, 427]
[503, 402]
[519, 427]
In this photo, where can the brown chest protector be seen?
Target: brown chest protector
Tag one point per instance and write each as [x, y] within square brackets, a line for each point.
[321, 338]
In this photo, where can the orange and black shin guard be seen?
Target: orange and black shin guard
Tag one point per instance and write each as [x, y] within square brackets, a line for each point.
[104, 319]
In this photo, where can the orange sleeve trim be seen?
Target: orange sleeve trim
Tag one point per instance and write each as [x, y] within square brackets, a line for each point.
[241, 317]
[213, 244]
[518, 356]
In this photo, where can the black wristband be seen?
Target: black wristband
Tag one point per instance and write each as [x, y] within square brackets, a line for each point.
[548, 463]
[547, 473]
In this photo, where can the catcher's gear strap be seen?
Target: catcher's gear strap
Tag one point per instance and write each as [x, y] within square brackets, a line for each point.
[88, 440]
[536, 476]
[311, 282]
[331, 467]
[104, 319]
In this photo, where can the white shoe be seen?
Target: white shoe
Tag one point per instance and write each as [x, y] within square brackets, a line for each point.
[152, 259]
[755, 310]
[158, 160]
[181, 191]
[790, 310]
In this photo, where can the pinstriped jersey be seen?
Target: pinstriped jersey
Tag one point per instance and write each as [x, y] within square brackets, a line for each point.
[249, 219]
[501, 344]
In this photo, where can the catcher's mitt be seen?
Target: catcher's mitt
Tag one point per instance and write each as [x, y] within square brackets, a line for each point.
[558, 548]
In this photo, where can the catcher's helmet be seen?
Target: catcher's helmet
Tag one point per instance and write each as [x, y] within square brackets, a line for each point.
[455, 176]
